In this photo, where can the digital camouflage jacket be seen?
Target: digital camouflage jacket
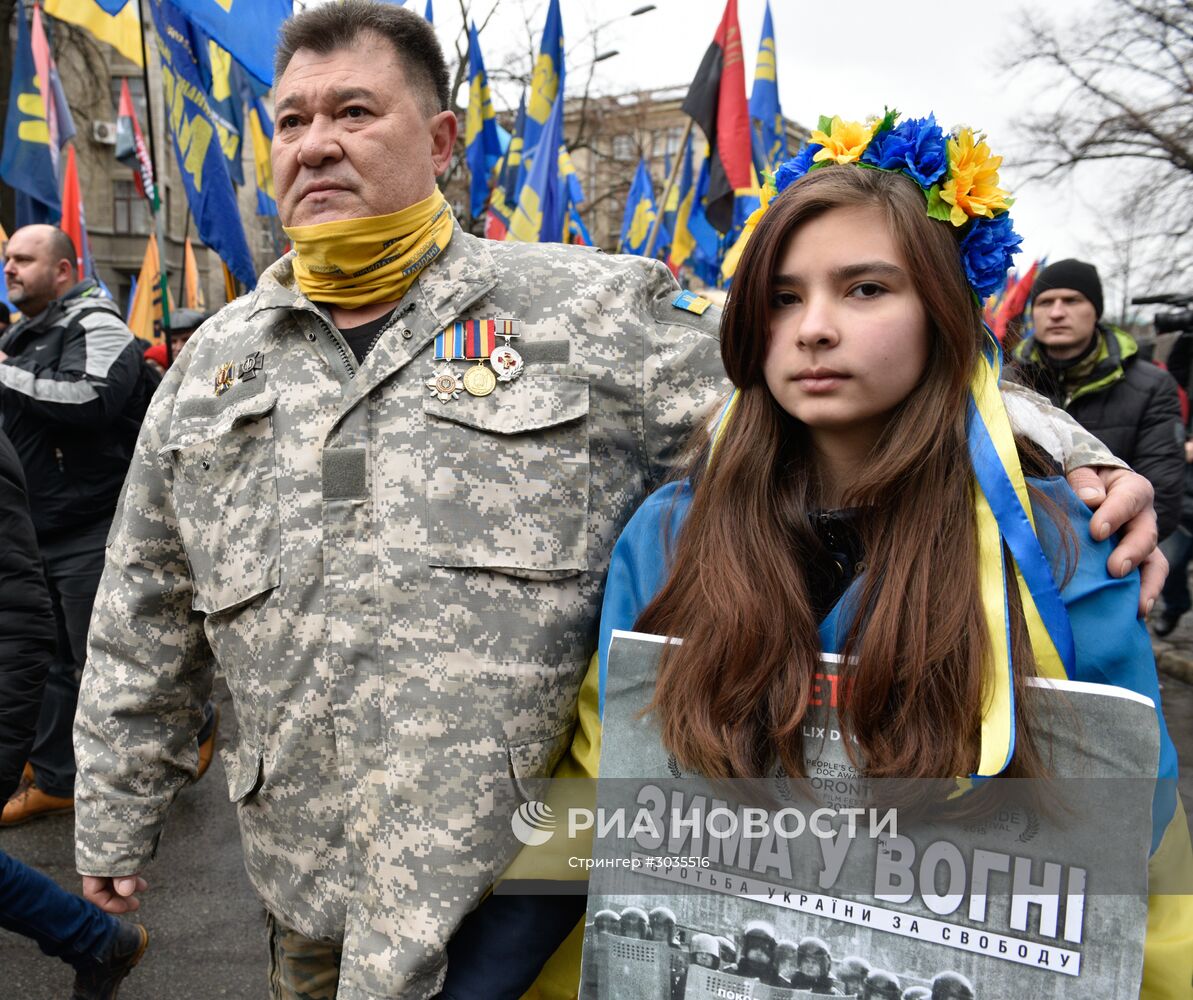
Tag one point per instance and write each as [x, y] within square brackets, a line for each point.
[402, 592]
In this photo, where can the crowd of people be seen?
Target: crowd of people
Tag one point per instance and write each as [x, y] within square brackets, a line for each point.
[392, 535]
[756, 953]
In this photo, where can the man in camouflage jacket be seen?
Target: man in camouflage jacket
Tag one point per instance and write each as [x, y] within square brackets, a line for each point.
[399, 580]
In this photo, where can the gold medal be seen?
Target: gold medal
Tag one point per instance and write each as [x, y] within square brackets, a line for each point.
[480, 380]
[223, 378]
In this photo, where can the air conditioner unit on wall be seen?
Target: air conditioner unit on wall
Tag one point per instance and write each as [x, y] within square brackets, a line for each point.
[104, 132]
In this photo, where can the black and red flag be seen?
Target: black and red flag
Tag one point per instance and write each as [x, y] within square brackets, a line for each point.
[717, 101]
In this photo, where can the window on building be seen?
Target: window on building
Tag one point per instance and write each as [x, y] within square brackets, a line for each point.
[624, 147]
[124, 285]
[671, 139]
[130, 212]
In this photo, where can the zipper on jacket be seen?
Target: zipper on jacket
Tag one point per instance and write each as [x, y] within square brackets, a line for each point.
[340, 345]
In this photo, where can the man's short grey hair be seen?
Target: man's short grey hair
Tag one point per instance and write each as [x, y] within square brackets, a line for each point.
[332, 26]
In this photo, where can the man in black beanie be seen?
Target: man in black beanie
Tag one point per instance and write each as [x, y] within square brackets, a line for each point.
[1093, 371]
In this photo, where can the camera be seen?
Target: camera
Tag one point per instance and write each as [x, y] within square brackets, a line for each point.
[1169, 322]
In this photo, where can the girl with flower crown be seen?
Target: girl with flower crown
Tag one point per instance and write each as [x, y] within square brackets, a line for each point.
[863, 495]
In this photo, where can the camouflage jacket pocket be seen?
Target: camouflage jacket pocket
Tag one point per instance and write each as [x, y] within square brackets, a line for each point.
[508, 478]
[242, 766]
[226, 499]
[532, 762]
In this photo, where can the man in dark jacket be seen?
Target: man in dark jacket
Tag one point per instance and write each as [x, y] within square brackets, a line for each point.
[101, 948]
[1091, 370]
[72, 395]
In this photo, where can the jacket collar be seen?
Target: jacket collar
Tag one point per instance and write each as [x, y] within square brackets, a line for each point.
[1113, 348]
[88, 289]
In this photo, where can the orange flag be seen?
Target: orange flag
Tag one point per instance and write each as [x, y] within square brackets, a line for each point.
[72, 209]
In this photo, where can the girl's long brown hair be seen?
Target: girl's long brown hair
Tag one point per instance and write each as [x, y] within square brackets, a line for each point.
[733, 696]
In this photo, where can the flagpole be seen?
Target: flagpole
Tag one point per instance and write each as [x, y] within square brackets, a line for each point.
[186, 232]
[159, 184]
[658, 219]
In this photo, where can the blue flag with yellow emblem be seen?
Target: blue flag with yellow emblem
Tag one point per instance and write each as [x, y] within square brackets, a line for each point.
[201, 161]
[766, 117]
[246, 28]
[481, 141]
[27, 164]
[542, 202]
[261, 129]
[640, 213]
[545, 85]
[221, 75]
[705, 256]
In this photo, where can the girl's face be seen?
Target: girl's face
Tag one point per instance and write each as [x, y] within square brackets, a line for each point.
[848, 332]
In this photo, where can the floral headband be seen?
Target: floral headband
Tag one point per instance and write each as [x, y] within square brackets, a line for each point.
[956, 172]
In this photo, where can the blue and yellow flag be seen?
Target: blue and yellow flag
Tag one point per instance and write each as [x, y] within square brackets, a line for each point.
[576, 233]
[116, 22]
[27, 164]
[483, 145]
[571, 179]
[542, 202]
[429, 14]
[511, 167]
[705, 258]
[640, 213]
[201, 161]
[261, 129]
[683, 242]
[246, 28]
[766, 117]
[221, 75]
[545, 85]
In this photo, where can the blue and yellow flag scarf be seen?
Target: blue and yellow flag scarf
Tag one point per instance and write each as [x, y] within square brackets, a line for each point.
[1004, 517]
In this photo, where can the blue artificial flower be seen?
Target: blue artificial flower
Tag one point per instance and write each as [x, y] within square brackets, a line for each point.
[986, 253]
[795, 168]
[916, 146]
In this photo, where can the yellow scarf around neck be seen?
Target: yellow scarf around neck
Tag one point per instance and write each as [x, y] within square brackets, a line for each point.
[358, 262]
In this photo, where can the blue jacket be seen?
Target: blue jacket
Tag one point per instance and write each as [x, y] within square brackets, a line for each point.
[1112, 647]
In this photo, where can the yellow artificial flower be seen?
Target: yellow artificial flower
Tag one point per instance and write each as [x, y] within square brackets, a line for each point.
[765, 196]
[971, 186]
[845, 141]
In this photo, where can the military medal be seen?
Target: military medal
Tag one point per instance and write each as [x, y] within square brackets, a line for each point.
[223, 377]
[445, 384]
[475, 340]
[479, 380]
[252, 364]
[506, 362]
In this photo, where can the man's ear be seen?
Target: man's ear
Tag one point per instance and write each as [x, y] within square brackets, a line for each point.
[443, 127]
[65, 274]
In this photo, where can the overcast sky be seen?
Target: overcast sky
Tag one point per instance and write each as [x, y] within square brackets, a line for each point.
[849, 59]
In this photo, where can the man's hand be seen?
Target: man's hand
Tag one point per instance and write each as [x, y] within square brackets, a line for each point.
[1123, 501]
[114, 894]
[3, 357]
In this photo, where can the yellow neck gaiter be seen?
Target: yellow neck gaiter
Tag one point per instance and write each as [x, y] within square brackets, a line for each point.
[359, 262]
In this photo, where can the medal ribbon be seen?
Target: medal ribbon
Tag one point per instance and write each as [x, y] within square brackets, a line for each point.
[1003, 513]
[471, 340]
